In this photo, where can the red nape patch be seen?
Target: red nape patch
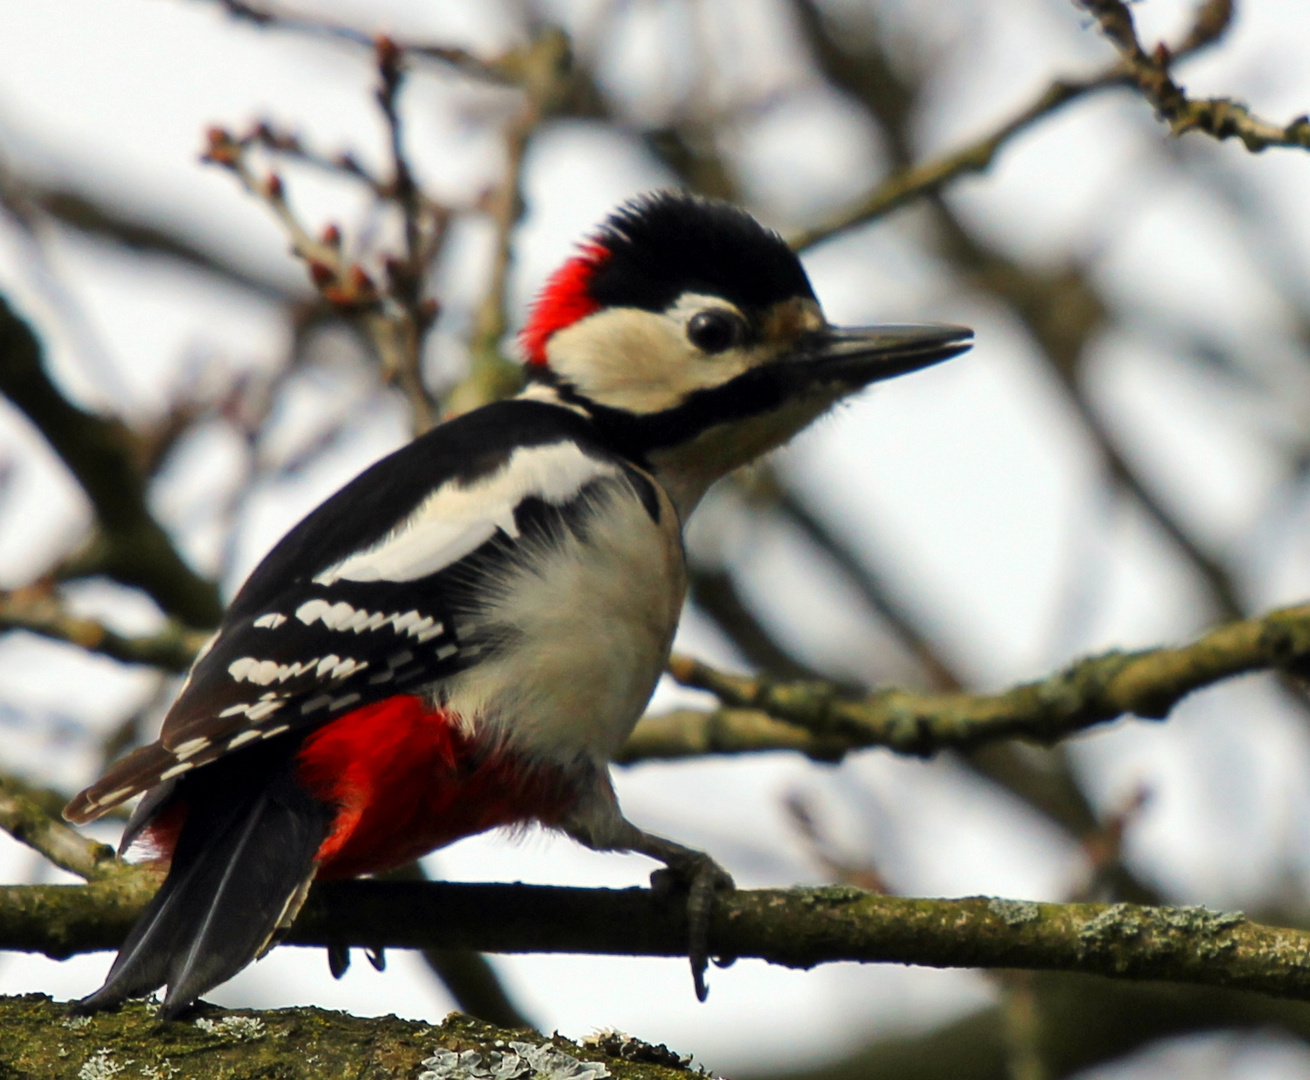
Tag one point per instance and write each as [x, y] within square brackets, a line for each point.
[407, 780]
[562, 302]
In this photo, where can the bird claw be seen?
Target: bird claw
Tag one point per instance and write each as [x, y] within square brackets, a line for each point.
[338, 957]
[702, 878]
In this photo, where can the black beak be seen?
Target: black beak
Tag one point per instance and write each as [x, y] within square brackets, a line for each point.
[860, 356]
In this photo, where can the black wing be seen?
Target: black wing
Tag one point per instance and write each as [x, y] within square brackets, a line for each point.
[364, 598]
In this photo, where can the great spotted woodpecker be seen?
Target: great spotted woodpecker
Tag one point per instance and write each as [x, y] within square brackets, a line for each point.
[463, 636]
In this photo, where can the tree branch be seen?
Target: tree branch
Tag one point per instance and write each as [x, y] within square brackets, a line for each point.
[791, 927]
[39, 612]
[1221, 118]
[28, 822]
[131, 546]
[930, 177]
[821, 721]
[42, 1040]
[544, 71]
[906, 185]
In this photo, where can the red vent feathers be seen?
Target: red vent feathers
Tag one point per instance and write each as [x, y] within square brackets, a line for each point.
[562, 302]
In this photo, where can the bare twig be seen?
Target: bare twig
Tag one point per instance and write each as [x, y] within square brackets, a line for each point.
[930, 177]
[396, 320]
[1221, 118]
[282, 17]
[907, 185]
[424, 228]
[543, 70]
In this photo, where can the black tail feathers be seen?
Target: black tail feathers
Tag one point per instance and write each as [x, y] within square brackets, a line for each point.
[242, 864]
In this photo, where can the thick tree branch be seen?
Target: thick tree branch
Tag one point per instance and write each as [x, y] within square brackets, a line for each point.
[791, 927]
[1090, 692]
[824, 721]
[131, 546]
[468, 975]
[42, 1040]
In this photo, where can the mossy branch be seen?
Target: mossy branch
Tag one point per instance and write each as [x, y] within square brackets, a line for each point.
[796, 928]
[818, 719]
[42, 1040]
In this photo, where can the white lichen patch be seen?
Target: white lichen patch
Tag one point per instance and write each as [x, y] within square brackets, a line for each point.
[1014, 912]
[616, 1044]
[99, 1066]
[75, 1022]
[238, 1028]
[510, 1061]
[165, 1070]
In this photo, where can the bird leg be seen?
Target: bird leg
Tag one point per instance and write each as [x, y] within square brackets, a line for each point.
[598, 823]
[703, 878]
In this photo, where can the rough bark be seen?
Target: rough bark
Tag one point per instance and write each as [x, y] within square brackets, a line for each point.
[791, 927]
[42, 1042]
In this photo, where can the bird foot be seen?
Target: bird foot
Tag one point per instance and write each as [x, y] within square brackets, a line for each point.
[702, 878]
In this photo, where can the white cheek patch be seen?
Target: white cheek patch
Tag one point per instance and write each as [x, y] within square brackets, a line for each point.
[457, 519]
[641, 360]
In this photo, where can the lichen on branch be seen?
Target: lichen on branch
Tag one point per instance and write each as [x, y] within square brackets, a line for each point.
[792, 927]
[41, 1040]
[819, 719]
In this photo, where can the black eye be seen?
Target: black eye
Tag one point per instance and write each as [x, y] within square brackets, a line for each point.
[714, 330]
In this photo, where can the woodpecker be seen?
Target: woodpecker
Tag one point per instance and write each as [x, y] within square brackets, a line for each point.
[463, 636]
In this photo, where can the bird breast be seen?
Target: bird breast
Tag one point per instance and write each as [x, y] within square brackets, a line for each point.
[580, 625]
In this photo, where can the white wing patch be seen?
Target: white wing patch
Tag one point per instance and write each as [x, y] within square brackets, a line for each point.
[341, 616]
[271, 621]
[457, 519]
[267, 672]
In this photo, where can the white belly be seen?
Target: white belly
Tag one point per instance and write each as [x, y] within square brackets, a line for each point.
[584, 625]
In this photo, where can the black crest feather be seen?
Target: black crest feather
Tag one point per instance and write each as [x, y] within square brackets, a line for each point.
[667, 243]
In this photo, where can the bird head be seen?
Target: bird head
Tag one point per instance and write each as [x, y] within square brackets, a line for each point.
[691, 336]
